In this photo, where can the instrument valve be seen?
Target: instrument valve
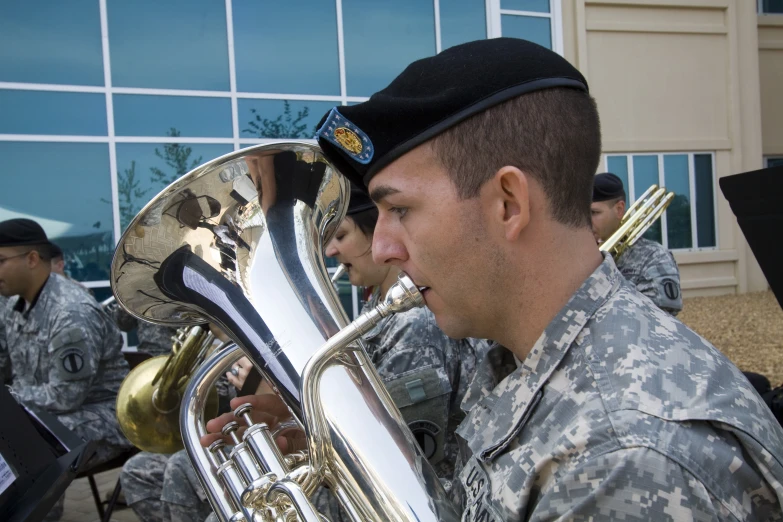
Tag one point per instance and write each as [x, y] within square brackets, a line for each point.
[230, 430]
[243, 412]
[217, 448]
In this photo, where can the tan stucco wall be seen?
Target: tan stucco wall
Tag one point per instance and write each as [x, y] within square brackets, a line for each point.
[771, 73]
[679, 76]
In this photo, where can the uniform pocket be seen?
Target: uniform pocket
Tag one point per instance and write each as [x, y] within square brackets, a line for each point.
[423, 397]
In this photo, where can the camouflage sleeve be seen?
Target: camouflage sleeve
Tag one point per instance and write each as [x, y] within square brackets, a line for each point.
[628, 484]
[660, 281]
[124, 321]
[414, 371]
[73, 355]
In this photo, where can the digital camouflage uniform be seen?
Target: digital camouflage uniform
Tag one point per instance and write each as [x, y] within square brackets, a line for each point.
[426, 374]
[5, 362]
[153, 339]
[652, 268]
[619, 412]
[66, 358]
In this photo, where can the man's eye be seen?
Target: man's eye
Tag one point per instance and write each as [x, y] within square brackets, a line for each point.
[400, 211]
[339, 237]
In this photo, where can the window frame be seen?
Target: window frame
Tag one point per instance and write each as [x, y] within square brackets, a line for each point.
[604, 165]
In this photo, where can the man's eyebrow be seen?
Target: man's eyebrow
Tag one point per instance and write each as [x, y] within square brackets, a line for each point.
[381, 192]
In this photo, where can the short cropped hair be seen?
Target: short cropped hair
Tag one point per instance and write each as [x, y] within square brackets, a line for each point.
[554, 135]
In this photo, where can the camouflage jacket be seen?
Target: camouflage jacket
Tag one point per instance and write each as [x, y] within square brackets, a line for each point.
[654, 271]
[619, 412]
[153, 339]
[5, 362]
[65, 352]
[427, 374]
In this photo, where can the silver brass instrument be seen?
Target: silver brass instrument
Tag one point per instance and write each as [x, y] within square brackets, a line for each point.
[239, 242]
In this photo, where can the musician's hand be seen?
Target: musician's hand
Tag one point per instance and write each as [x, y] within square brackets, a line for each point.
[242, 367]
[267, 407]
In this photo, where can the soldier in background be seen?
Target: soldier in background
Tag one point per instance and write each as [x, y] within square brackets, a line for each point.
[646, 264]
[65, 353]
[154, 339]
[58, 260]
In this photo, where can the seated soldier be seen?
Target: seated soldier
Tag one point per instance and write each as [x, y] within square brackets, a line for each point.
[154, 339]
[647, 264]
[65, 353]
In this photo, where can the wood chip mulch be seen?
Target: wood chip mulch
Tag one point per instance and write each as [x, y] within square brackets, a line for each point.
[747, 328]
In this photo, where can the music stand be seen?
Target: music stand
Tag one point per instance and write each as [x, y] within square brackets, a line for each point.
[41, 456]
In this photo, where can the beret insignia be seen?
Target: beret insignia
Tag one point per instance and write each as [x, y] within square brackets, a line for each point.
[351, 139]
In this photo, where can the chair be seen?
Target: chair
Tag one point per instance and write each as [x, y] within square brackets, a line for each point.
[133, 359]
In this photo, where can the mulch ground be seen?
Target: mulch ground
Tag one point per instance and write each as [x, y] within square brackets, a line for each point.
[747, 328]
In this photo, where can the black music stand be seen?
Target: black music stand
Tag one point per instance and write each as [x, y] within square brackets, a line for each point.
[756, 198]
[43, 456]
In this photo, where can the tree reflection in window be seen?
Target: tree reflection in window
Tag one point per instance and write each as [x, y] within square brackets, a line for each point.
[286, 125]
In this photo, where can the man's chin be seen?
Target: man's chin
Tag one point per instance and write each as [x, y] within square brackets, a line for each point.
[451, 326]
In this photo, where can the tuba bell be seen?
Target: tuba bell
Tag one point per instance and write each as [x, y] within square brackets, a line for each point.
[239, 242]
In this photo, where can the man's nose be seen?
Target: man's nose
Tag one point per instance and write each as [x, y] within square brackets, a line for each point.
[331, 250]
[386, 249]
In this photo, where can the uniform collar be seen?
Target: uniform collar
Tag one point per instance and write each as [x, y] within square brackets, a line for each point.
[19, 306]
[500, 415]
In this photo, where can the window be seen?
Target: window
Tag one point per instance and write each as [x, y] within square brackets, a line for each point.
[690, 220]
[773, 162]
[103, 103]
[770, 6]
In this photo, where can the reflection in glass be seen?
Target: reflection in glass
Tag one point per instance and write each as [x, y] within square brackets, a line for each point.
[618, 165]
[142, 115]
[66, 188]
[645, 174]
[381, 38]
[705, 200]
[176, 44]
[462, 21]
[51, 42]
[146, 169]
[537, 30]
[772, 6]
[538, 6]
[287, 47]
[774, 162]
[40, 112]
[280, 118]
[678, 214]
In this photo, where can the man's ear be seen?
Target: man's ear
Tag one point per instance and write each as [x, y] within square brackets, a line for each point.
[619, 209]
[33, 259]
[511, 190]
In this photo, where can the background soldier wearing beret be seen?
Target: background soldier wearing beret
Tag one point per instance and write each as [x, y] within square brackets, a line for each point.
[481, 160]
[65, 353]
[646, 264]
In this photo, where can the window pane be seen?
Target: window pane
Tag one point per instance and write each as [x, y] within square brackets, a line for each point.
[618, 165]
[176, 44]
[73, 206]
[537, 30]
[141, 115]
[462, 21]
[774, 162]
[280, 118]
[39, 112]
[299, 57]
[772, 6]
[381, 38]
[678, 214]
[645, 174]
[540, 6]
[51, 41]
[146, 169]
[705, 200]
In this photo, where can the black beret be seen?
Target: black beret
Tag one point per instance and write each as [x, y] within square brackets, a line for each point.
[55, 251]
[360, 201]
[433, 94]
[607, 186]
[21, 231]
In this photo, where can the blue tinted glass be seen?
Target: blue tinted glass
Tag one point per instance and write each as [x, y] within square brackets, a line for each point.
[537, 30]
[381, 38]
[678, 214]
[705, 200]
[618, 165]
[51, 41]
[176, 44]
[280, 118]
[39, 112]
[286, 47]
[73, 205]
[143, 170]
[645, 174]
[539, 6]
[772, 6]
[774, 162]
[141, 115]
[462, 21]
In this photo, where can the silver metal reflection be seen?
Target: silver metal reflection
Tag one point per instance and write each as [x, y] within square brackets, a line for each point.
[239, 242]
